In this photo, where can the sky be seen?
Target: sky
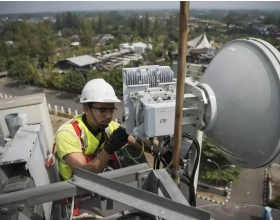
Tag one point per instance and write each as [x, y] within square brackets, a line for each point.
[55, 6]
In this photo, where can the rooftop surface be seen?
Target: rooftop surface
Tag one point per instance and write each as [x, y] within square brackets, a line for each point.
[83, 60]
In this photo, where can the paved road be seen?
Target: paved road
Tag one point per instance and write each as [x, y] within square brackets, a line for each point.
[250, 188]
[65, 99]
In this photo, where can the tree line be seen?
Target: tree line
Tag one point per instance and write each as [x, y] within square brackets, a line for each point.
[209, 171]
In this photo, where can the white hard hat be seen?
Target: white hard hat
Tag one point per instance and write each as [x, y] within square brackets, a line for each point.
[98, 90]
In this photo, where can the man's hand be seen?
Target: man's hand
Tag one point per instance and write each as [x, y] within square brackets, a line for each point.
[117, 139]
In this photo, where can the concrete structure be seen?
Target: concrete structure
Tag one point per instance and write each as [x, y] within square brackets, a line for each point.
[137, 48]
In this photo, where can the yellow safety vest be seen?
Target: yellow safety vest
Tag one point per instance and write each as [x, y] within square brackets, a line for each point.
[90, 143]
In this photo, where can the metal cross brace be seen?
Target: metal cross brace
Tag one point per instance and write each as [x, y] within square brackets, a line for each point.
[137, 198]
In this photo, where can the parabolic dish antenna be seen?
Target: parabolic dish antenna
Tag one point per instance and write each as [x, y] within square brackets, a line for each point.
[245, 78]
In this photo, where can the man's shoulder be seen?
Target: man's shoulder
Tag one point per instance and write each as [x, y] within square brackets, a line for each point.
[66, 131]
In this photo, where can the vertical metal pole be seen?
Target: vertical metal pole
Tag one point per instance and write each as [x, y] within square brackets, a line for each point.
[55, 107]
[181, 75]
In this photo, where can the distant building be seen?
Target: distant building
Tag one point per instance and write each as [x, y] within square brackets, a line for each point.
[59, 33]
[75, 44]
[75, 37]
[9, 43]
[97, 37]
[152, 19]
[201, 51]
[58, 51]
[192, 19]
[107, 37]
[127, 37]
[81, 64]
[137, 48]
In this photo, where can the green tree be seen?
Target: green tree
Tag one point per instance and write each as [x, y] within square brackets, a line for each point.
[157, 30]
[100, 24]
[150, 56]
[62, 42]
[45, 45]
[27, 42]
[69, 20]
[66, 32]
[86, 34]
[24, 70]
[209, 171]
[117, 33]
[76, 21]
[56, 80]
[94, 74]
[4, 51]
[58, 22]
[147, 26]
[73, 81]
[93, 24]
[114, 77]
[271, 19]
[3, 64]
[276, 202]
[134, 25]
[4, 56]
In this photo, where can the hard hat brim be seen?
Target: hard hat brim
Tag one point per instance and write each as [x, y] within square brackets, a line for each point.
[101, 100]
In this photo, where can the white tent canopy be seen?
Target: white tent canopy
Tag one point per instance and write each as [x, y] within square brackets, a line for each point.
[204, 43]
[194, 42]
[200, 42]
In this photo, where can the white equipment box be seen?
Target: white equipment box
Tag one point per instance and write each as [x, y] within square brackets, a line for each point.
[159, 118]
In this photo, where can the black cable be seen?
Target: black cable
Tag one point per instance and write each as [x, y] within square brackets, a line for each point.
[192, 197]
[131, 215]
[192, 190]
[190, 180]
[155, 160]
[158, 162]
[164, 162]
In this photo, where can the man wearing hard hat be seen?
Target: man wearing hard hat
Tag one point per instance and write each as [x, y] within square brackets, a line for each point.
[90, 141]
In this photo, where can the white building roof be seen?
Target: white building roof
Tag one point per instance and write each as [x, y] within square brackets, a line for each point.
[107, 36]
[9, 42]
[138, 44]
[83, 60]
[75, 44]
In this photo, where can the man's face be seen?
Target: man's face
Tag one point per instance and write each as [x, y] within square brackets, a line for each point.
[103, 112]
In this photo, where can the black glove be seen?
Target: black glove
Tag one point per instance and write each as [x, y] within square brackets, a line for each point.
[117, 139]
[167, 156]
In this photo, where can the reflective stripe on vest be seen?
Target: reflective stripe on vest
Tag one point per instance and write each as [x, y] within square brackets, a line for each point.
[88, 140]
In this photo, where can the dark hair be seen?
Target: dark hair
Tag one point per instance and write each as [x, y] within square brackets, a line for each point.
[88, 103]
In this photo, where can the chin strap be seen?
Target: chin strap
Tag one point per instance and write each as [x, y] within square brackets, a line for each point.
[102, 127]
